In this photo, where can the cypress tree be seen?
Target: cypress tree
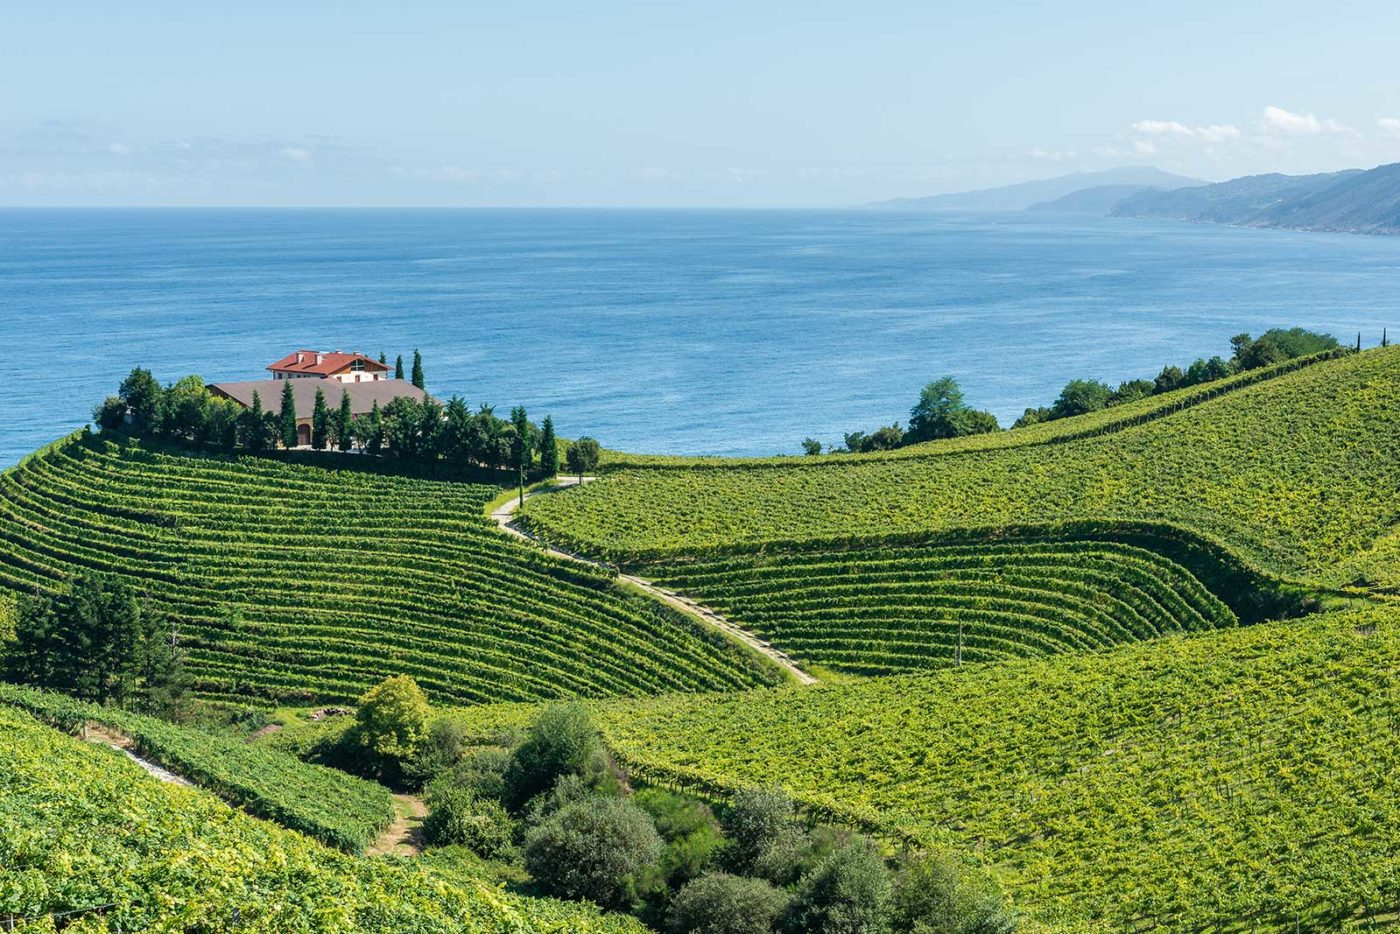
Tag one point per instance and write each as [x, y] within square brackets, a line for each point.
[320, 421]
[398, 367]
[417, 370]
[344, 435]
[374, 443]
[383, 359]
[255, 427]
[549, 448]
[521, 445]
[288, 420]
[1385, 338]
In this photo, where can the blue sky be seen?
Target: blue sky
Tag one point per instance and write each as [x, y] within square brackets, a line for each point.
[680, 103]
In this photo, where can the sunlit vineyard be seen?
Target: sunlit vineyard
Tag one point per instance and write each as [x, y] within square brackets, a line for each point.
[1230, 780]
[1298, 474]
[91, 842]
[299, 583]
[881, 609]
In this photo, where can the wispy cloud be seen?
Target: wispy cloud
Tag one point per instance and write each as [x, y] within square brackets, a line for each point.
[1214, 133]
[1389, 125]
[1286, 123]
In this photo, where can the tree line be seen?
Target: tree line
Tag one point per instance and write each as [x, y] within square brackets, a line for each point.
[942, 412]
[404, 429]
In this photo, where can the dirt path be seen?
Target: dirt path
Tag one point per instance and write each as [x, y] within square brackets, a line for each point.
[404, 837]
[95, 733]
[504, 517]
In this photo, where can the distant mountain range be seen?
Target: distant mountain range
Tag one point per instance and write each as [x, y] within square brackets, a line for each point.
[1024, 195]
[1353, 201]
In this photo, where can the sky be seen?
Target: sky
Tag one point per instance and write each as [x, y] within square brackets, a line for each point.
[681, 103]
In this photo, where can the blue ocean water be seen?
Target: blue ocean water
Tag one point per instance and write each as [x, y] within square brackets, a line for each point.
[695, 332]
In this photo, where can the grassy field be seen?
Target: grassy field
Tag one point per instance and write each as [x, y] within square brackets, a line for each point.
[83, 828]
[1299, 475]
[1240, 779]
[300, 584]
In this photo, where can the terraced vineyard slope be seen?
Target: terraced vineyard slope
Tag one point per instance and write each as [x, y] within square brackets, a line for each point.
[876, 608]
[1299, 475]
[90, 839]
[301, 583]
[1234, 780]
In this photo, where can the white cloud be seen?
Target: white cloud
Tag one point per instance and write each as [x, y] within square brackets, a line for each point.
[1052, 155]
[1390, 125]
[1215, 133]
[1287, 123]
[1144, 147]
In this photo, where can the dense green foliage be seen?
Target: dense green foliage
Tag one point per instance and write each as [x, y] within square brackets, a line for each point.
[1120, 789]
[592, 849]
[333, 807]
[1297, 473]
[886, 608]
[82, 828]
[300, 583]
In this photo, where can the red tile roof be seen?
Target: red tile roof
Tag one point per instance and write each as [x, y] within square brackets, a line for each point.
[330, 363]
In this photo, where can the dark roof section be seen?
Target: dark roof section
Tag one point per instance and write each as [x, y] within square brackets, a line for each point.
[362, 395]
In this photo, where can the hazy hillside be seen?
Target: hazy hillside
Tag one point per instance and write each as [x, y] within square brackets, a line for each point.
[1351, 201]
[1098, 200]
[1021, 196]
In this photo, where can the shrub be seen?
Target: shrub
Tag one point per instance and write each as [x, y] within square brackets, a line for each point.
[723, 904]
[689, 828]
[391, 721]
[455, 815]
[936, 894]
[592, 849]
[439, 751]
[562, 741]
[849, 893]
[481, 770]
[756, 821]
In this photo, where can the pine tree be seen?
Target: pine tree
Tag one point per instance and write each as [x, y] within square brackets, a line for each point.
[383, 359]
[254, 426]
[549, 448]
[418, 370]
[398, 367]
[521, 446]
[376, 429]
[320, 421]
[288, 421]
[344, 434]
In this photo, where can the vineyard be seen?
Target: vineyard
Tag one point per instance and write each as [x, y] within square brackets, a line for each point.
[89, 841]
[335, 808]
[1297, 475]
[906, 607]
[295, 583]
[1240, 779]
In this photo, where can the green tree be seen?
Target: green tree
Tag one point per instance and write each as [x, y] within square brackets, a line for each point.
[811, 447]
[562, 741]
[1170, 378]
[457, 432]
[935, 893]
[549, 448]
[110, 414]
[390, 722]
[186, 408]
[756, 821]
[1131, 391]
[592, 849]
[1032, 417]
[402, 422]
[369, 430]
[254, 427]
[1079, 397]
[320, 421]
[287, 419]
[383, 359]
[457, 816]
[142, 395]
[719, 903]
[521, 452]
[583, 457]
[847, 893]
[398, 367]
[342, 427]
[430, 429]
[939, 413]
[221, 431]
[418, 370]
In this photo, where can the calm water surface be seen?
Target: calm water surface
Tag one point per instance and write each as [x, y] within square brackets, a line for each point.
[696, 332]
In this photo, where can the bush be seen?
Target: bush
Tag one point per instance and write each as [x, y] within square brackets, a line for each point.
[689, 828]
[455, 815]
[440, 750]
[849, 893]
[723, 904]
[936, 894]
[756, 821]
[482, 771]
[592, 849]
[391, 721]
[562, 741]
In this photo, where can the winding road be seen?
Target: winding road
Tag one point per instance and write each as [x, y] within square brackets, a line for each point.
[504, 517]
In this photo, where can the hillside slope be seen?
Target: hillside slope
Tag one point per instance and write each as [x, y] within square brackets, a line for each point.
[84, 828]
[304, 584]
[1237, 780]
[1299, 475]
[1022, 195]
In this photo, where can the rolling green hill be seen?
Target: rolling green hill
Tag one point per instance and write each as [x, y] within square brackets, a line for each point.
[297, 583]
[1296, 475]
[83, 828]
[1234, 780]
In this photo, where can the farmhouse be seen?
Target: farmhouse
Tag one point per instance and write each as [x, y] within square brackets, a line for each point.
[363, 396]
[337, 365]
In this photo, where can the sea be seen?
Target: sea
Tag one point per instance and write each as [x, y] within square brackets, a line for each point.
[735, 332]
